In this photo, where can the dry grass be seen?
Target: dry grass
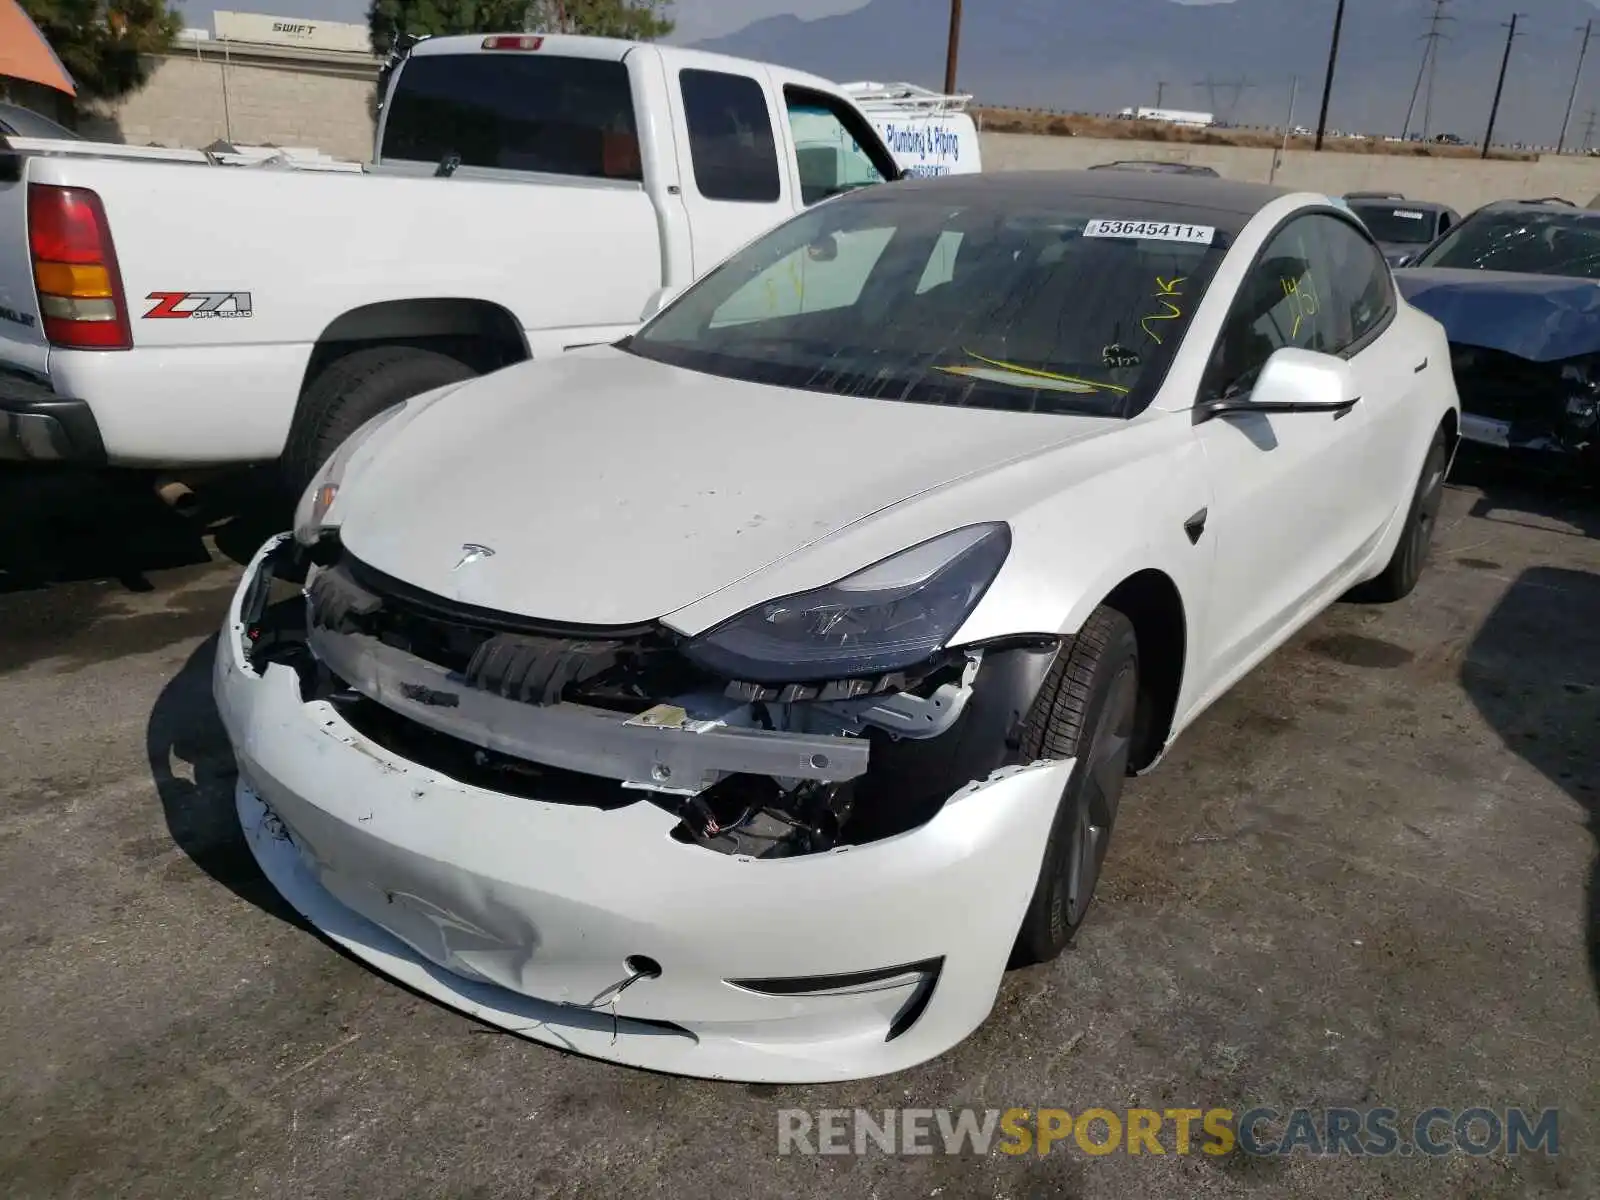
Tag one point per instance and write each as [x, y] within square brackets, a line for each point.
[1015, 120]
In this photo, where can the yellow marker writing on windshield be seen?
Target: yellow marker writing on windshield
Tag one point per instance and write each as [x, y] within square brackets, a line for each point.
[1164, 288]
[1027, 373]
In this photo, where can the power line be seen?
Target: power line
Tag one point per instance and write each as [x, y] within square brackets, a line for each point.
[1577, 76]
[1494, 109]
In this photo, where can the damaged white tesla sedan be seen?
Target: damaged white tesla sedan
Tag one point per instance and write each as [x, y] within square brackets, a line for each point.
[740, 699]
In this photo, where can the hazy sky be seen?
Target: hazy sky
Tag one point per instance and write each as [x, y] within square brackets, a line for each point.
[696, 18]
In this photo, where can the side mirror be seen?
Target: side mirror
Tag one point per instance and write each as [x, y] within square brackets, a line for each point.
[824, 249]
[658, 301]
[1404, 259]
[1293, 381]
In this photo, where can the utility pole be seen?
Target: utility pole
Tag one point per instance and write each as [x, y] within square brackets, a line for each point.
[953, 49]
[1588, 32]
[1288, 130]
[1499, 87]
[1333, 61]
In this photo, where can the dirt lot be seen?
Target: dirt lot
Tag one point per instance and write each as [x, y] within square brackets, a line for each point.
[1365, 878]
[1024, 120]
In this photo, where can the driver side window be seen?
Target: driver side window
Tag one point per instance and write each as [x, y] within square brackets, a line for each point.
[1283, 301]
[829, 156]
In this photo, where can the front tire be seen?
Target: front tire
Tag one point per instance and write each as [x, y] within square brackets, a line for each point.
[1399, 579]
[350, 392]
[1086, 710]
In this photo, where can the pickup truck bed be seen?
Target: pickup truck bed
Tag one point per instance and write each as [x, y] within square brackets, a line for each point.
[508, 213]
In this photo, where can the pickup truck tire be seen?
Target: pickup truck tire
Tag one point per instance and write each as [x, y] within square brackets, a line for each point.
[349, 393]
[1086, 711]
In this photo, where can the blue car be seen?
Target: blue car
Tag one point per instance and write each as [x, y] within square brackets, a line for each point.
[1515, 286]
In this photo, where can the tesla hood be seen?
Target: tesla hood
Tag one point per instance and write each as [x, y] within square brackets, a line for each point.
[1543, 318]
[601, 488]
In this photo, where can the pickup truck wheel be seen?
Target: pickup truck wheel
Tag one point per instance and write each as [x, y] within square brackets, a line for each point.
[1085, 711]
[350, 392]
[1399, 578]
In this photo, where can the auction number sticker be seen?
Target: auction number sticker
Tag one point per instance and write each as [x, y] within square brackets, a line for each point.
[1160, 231]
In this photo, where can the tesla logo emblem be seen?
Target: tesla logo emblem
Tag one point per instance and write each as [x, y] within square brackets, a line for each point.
[471, 552]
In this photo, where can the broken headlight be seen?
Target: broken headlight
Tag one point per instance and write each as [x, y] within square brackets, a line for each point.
[889, 616]
[310, 516]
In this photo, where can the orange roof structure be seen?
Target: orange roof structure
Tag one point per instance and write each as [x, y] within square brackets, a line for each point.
[24, 54]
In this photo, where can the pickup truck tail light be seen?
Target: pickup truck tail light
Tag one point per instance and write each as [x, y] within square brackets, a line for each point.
[75, 270]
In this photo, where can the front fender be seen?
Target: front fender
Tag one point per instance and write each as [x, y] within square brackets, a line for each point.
[1071, 549]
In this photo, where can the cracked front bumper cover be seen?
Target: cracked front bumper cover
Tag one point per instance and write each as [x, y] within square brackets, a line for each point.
[525, 912]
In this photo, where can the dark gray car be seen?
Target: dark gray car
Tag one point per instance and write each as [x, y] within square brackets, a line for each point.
[1402, 228]
[1155, 166]
[24, 122]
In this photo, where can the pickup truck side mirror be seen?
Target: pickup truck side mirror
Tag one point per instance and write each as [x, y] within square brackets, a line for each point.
[824, 249]
[1293, 381]
[1403, 260]
[658, 301]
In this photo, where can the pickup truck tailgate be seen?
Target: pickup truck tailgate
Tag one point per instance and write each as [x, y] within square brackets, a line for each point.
[22, 341]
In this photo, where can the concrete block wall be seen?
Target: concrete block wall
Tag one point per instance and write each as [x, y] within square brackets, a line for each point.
[184, 105]
[301, 103]
[1463, 183]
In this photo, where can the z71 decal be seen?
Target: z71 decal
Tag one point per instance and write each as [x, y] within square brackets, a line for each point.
[199, 304]
[21, 318]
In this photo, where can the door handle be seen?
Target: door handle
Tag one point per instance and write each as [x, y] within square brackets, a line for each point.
[1420, 367]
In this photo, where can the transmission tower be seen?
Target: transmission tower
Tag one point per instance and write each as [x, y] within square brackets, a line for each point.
[1588, 129]
[1230, 92]
[1427, 70]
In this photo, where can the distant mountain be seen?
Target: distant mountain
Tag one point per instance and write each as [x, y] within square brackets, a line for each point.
[1099, 56]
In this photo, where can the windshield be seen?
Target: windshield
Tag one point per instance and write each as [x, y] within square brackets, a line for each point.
[1074, 308]
[1533, 243]
[1397, 223]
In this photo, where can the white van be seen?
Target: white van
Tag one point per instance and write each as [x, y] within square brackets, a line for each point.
[928, 133]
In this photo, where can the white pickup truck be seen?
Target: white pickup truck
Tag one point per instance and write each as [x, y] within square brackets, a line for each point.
[527, 194]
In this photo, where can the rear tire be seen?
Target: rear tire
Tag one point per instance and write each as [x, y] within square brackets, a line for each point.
[349, 393]
[1399, 578]
[1086, 710]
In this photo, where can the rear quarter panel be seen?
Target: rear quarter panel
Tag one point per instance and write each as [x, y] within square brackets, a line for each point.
[22, 344]
[298, 250]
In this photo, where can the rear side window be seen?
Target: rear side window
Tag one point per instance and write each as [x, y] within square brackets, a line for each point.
[731, 146]
[516, 112]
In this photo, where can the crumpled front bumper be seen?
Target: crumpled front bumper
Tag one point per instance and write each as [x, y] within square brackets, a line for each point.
[528, 914]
